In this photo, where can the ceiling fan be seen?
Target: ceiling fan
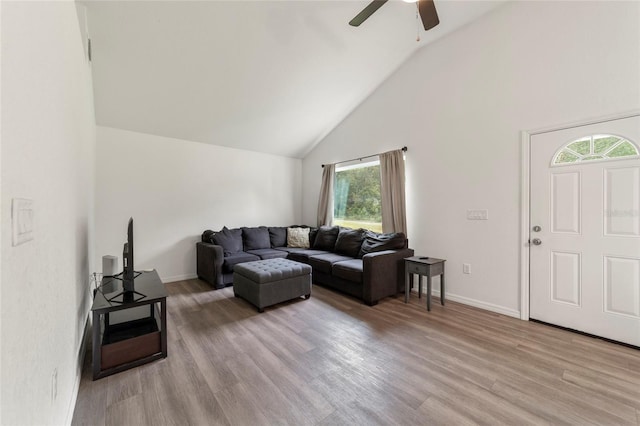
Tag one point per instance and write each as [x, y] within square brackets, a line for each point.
[426, 8]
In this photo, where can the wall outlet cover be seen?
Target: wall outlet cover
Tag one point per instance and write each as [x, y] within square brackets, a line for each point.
[21, 220]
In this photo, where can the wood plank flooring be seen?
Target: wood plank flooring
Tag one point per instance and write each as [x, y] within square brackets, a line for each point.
[332, 360]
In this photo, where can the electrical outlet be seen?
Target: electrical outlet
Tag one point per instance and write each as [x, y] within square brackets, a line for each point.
[466, 268]
[22, 220]
[54, 385]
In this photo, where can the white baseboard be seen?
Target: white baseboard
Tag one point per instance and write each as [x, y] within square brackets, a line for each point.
[478, 304]
[178, 278]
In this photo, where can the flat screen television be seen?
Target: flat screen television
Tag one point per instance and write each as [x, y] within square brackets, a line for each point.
[128, 274]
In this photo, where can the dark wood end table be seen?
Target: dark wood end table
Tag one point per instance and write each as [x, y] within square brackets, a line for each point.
[427, 266]
[118, 347]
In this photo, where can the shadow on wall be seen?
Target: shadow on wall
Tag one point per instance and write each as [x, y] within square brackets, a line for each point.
[83, 294]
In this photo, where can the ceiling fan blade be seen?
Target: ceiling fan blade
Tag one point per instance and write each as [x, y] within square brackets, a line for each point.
[428, 14]
[366, 12]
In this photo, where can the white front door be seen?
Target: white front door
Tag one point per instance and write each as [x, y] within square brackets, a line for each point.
[585, 229]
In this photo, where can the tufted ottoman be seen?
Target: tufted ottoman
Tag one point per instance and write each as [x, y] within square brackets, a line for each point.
[267, 282]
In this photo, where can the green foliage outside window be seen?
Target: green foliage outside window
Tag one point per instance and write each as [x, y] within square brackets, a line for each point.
[623, 150]
[357, 198]
[595, 148]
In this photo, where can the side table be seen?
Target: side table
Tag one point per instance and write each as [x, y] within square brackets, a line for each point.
[427, 266]
[118, 347]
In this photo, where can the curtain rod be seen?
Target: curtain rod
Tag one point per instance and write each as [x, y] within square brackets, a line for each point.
[404, 148]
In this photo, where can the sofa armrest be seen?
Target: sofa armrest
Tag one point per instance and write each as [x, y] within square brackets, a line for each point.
[383, 274]
[209, 263]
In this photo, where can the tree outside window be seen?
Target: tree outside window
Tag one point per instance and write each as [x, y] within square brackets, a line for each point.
[357, 197]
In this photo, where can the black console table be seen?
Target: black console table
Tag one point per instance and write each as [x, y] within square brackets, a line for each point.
[118, 347]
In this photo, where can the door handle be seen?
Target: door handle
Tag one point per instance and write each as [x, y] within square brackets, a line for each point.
[536, 241]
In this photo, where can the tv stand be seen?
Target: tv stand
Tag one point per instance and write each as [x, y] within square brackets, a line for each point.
[119, 347]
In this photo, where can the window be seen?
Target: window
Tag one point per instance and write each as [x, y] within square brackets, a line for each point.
[356, 196]
[595, 148]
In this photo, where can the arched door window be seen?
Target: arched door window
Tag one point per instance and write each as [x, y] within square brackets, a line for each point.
[595, 148]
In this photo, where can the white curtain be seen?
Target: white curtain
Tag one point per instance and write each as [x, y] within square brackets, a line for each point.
[325, 202]
[394, 210]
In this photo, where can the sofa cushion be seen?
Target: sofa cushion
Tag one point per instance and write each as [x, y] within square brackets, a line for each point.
[256, 238]
[268, 253]
[312, 236]
[303, 255]
[298, 237]
[324, 262]
[349, 241]
[207, 236]
[350, 270]
[290, 249]
[229, 239]
[233, 259]
[374, 242]
[326, 238]
[278, 236]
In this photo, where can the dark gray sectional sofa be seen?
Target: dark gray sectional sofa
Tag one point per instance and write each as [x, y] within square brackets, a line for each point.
[357, 262]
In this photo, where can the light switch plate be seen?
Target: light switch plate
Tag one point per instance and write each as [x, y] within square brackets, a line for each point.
[482, 214]
[21, 220]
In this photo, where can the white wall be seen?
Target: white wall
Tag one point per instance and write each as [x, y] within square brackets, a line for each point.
[175, 189]
[460, 105]
[48, 142]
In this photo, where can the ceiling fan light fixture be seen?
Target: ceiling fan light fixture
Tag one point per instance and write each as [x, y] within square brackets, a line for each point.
[426, 11]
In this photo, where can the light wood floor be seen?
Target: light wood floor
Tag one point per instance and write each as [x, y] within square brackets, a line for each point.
[332, 360]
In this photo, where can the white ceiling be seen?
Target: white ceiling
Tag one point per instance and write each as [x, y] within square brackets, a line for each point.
[269, 76]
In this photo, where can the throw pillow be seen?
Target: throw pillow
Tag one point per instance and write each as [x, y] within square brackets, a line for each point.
[298, 237]
[207, 236]
[326, 238]
[374, 242]
[229, 239]
[312, 235]
[256, 238]
[349, 241]
[278, 236]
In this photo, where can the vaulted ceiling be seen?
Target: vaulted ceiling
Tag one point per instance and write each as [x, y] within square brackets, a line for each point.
[269, 76]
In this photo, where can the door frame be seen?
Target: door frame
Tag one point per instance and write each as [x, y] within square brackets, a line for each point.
[525, 197]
